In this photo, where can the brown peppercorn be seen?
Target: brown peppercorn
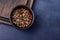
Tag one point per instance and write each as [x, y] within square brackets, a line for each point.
[22, 18]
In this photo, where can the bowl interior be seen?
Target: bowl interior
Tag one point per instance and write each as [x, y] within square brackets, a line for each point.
[24, 7]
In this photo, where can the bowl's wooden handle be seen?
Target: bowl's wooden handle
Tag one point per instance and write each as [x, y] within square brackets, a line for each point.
[29, 3]
[4, 19]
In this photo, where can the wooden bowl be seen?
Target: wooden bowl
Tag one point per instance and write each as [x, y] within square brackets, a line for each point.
[25, 7]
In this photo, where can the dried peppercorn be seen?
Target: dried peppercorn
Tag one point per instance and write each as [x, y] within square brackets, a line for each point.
[22, 17]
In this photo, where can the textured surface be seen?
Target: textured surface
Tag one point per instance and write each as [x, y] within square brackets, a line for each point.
[6, 6]
[45, 27]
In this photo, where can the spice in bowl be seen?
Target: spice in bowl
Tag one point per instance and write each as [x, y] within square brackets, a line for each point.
[22, 18]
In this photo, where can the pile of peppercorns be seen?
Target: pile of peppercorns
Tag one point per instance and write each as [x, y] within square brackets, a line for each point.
[22, 18]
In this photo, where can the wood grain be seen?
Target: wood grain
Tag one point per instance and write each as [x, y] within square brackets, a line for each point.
[9, 5]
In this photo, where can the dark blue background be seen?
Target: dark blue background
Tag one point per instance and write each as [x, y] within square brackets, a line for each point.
[45, 27]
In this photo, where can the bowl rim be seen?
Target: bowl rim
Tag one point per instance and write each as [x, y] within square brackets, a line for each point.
[28, 9]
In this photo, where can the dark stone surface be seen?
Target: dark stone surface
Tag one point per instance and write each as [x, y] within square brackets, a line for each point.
[45, 27]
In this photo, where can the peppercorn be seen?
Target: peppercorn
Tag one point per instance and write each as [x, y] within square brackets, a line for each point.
[22, 17]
